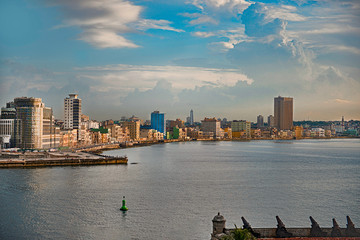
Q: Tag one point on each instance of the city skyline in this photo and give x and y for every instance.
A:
(219, 58)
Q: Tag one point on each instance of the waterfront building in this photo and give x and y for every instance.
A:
(30, 113)
(134, 129)
(255, 133)
(119, 133)
(228, 133)
(100, 135)
(51, 133)
(211, 125)
(318, 132)
(9, 126)
(68, 138)
(72, 111)
(271, 121)
(260, 121)
(145, 134)
(283, 113)
(241, 129)
(195, 133)
(177, 123)
(8, 113)
(299, 130)
(158, 121)
(9, 132)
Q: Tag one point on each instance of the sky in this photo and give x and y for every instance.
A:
(221, 58)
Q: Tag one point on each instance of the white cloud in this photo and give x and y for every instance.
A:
(104, 22)
(234, 6)
(221, 46)
(284, 12)
(199, 18)
(123, 77)
(338, 100)
(203, 34)
(105, 39)
(146, 24)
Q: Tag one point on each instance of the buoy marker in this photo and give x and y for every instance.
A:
(124, 207)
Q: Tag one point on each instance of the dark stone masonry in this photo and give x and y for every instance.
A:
(315, 232)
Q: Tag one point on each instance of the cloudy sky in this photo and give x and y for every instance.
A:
(221, 58)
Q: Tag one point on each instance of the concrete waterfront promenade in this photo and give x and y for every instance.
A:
(48, 159)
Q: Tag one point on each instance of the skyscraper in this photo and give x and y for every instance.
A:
(30, 113)
(260, 121)
(283, 113)
(191, 117)
(158, 122)
(271, 121)
(72, 110)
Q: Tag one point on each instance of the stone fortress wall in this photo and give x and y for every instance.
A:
(315, 232)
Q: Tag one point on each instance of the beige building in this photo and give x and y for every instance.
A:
(134, 129)
(299, 132)
(30, 113)
(51, 133)
(68, 138)
(283, 113)
(119, 133)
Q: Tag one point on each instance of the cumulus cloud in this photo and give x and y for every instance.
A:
(258, 25)
(103, 23)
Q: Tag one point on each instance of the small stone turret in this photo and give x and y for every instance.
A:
(218, 224)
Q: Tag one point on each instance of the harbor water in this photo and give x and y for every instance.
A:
(174, 190)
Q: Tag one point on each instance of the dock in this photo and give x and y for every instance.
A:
(23, 160)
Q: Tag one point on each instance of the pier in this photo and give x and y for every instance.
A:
(49, 159)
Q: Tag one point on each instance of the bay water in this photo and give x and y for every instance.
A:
(174, 190)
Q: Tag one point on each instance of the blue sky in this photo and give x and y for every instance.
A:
(221, 58)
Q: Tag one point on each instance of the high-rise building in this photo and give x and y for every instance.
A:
(283, 113)
(211, 125)
(260, 121)
(30, 113)
(158, 122)
(72, 110)
(271, 121)
(191, 117)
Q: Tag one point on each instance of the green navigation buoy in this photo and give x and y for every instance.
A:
(123, 207)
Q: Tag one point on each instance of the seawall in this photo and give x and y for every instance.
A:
(17, 163)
